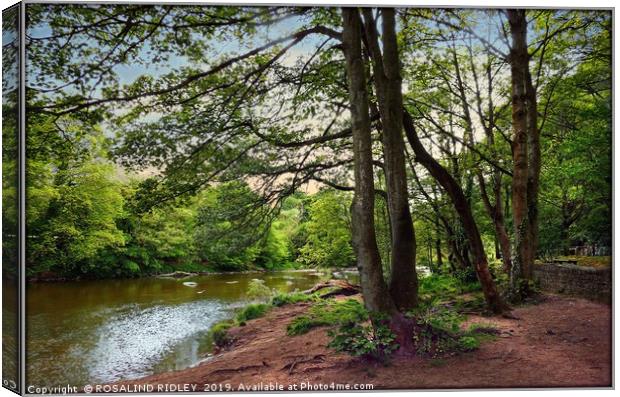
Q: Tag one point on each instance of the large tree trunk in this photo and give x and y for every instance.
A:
(443, 177)
(526, 157)
(374, 289)
(403, 284)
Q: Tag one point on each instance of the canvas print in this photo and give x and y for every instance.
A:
(212, 198)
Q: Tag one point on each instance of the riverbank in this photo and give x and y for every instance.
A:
(560, 342)
(50, 277)
(101, 331)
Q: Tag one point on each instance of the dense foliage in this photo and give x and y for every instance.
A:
(85, 220)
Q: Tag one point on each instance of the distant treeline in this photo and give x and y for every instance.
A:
(85, 222)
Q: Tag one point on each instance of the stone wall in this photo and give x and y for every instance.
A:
(566, 278)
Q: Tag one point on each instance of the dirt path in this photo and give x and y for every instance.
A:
(560, 342)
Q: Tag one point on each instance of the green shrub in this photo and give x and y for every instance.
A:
(252, 311)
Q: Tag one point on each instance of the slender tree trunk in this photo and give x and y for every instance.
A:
(438, 243)
(443, 177)
(374, 289)
(496, 213)
(429, 244)
(526, 157)
(386, 72)
(504, 243)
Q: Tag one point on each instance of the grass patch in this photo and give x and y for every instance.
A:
(438, 284)
(252, 311)
(349, 311)
(445, 286)
(281, 299)
(302, 324)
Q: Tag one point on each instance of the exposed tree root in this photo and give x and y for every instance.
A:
(342, 288)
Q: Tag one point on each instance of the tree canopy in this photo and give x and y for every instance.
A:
(161, 134)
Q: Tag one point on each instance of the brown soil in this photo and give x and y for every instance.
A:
(561, 342)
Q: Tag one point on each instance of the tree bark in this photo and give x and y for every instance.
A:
(526, 156)
(374, 289)
(403, 284)
(443, 177)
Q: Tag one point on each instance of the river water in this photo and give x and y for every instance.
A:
(102, 331)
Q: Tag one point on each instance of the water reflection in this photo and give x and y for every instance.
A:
(101, 331)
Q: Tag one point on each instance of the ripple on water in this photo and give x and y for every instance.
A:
(131, 343)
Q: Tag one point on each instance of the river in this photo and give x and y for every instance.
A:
(83, 332)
